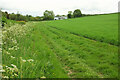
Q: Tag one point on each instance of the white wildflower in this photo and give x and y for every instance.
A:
(24, 60)
(21, 58)
(6, 66)
(15, 67)
(11, 48)
(15, 41)
(2, 70)
(4, 42)
(43, 77)
(15, 74)
(16, 48)
(0, 49)
(7, 53)
(30, 60)
(4, 32)
(1, 66)
(5, 77)
(11, 69)
(1, 43)
(12, 57)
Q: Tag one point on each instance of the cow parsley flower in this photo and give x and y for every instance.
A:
(43, 77)
(30, 60)
(12, 57)
(5, 77)
(2, 70)
(7, 53)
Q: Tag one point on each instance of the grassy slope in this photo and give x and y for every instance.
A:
(101, 28)
(57, 53)
(83, 57)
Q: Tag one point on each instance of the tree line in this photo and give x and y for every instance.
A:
(20, 17)
(76, 13)
(48, 15)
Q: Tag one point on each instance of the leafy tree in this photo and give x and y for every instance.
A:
(38, 18)
(60, 15)
(48, 15)
(57, 15)
(12, 16)
(18, 17)
(63, 15)
(69, 14)
(4, 14)
(27, 17)
(7, 15)
(77, 13)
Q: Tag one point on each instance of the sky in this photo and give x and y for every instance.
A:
(61, 7)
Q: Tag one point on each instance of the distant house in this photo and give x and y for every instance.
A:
(60, 18)
(56, 18)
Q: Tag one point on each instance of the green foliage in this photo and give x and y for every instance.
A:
(4, 20)
(58, 15)
(48, 15)
(69, 14)
(12, 16)
(8, 23)
(4, 14)
(7, 15)
(77, 13)
(19, 17)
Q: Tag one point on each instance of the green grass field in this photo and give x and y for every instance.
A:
(103, 28)
(73, 48)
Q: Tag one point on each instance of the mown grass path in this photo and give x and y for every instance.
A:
(82, 56)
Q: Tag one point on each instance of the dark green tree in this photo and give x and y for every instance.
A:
(12, 16)
(69, 14)
(77, 13)
(48, 15)
(57, 15)
(7, 15)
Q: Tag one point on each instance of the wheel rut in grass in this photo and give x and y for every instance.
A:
(49, 43)
(62, 49)
(85, 36)
(75, 52)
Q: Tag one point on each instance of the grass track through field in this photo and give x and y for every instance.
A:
(51, 43)
(59, 42)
